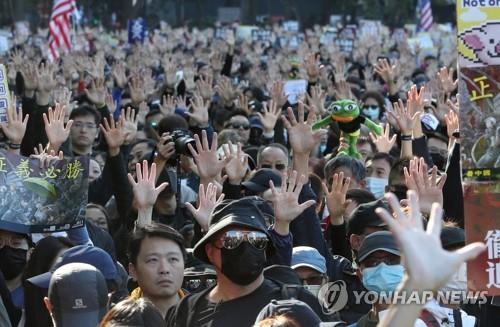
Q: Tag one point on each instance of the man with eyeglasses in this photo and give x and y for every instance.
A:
(238, 243)
(85, 130)
(241, 125)
(310, 266)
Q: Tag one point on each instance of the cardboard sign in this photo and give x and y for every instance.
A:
(294, 88)
(4, 94)
(42, 200)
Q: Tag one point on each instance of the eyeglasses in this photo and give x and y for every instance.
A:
(81, 125)
(279, 167)
(232, 239)
(313, 280)
(240, 126)
(198, 284)
(389, 260)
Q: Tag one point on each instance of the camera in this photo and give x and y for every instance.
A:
(255, 106)
(181, 139)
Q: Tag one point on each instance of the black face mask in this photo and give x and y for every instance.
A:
(244, 264)
(438, 160)
(12, 261)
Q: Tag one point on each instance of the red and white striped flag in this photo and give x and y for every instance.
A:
(424, 12)
(60, 28)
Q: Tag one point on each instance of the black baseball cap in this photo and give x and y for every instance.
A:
(242, 212)
(259, 182)
(365, 216)
(452, 236)
(378, 241)
(78, 295)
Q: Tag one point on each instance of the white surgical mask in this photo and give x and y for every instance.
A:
(376, 186)
(372, 112)
(314, 289)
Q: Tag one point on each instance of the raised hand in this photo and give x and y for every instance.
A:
(204, 87)
(343, 90)
(278, 94)
(415, 105)
(312, 67)
(428, 266)
(301, 135)
(15, 127)
(111, 104)
(137, 89)
(114, 134)
(168, 105)
(45, 77)
(286, 201)
(199, 111)
(237, 167)
(46, 159)
(97, 92)
(119, 75)
(56, 132)
(317, 99)
(428, 187)
(336, 198)
(206, 158)
(30, 76)
(145, 192)
(452, 126)
(129, 124)
(226, 90)
(385, 70)
(270, 115)
(383, 142)
(445, 78)
(207, 201)
(403, 118)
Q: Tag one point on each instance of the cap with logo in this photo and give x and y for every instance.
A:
(78, 295)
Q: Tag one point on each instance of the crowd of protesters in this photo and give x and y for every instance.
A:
(212, 201)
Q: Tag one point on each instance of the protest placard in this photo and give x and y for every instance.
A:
(479, 79)
(294, 88)
(42, 200)
(4, 94)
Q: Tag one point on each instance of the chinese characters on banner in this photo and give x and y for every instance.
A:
(34, 200)
(4, 94)
(479, 82)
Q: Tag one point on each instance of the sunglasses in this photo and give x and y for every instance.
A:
(198, 284)
(390, 261)
(279, 167)
(370, 107)
(313, 280)
(232, 239)
(238, 126)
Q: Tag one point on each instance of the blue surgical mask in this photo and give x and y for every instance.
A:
(383, 277)
(376, 186)
(372, 112)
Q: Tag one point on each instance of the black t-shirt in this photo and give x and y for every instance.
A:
(353, 125)
(197, 311)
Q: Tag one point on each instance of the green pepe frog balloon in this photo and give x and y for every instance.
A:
(347, 114)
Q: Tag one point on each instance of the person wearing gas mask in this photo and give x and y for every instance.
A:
(380, 269)
(238, 244)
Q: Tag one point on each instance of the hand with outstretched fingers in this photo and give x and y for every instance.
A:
(207, 201)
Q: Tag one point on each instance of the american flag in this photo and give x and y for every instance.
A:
(60, 28)
(424, 12)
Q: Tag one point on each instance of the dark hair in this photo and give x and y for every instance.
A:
(273, 145)
(151, 143)
(133, 312)
(377, 96)
(41, 259)
(382, 156)
(152, 230)
(357, 168)
(360, 196)
(170, 123)
(397, 170)
(236, 112)
(85, 110)
(152, 112)
(365, 140)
